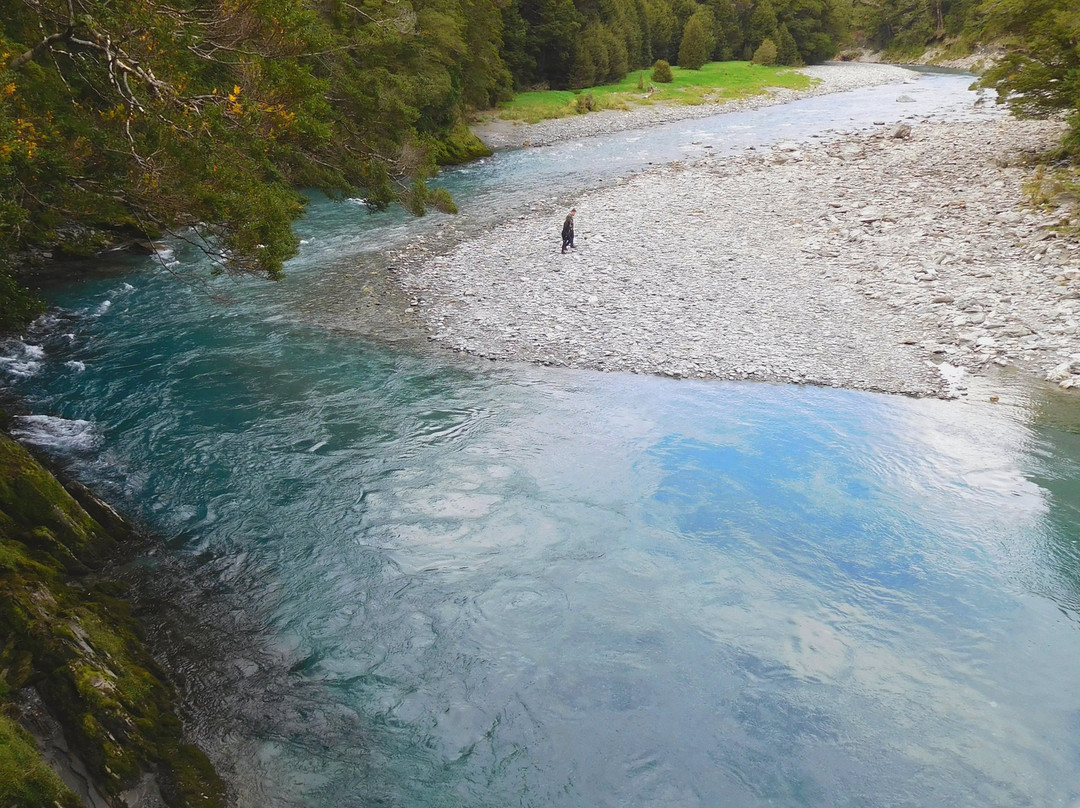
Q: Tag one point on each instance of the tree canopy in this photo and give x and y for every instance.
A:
(1041, 72)
(204, 120)
(697, 40)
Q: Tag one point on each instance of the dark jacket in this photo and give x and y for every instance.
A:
(568, 228)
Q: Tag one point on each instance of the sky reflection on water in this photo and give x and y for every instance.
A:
(461, 584)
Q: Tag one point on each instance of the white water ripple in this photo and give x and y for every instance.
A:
(21, 359)
(54, 433)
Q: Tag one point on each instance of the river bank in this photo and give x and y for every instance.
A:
(879, 261)
(87, 717)
(827, 79)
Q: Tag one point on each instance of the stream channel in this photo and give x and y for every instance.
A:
(392, 576)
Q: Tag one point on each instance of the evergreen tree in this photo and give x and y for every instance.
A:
(697, 42)
(643, 55)
(618, 56)
(815, 25)
(516, 51)
(663, 25)
(1041, 73)
(765, 53)
(133, 118)
(726, 30)
(485, 79)
(553, 26)
(762, 24)
(911, 26)
(787, 52)
(590, 58)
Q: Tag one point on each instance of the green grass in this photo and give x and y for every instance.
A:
(716, 82)
(26, 781)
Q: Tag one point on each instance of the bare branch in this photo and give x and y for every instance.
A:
(403, 23)
(47, 42)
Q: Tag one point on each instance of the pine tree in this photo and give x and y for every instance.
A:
(726, 30)
(762, 24)
(697, 41)
(765, 54)
(816, 27)
(1041, 73)
(787, 52)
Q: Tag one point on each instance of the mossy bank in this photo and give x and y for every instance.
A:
(71, 652)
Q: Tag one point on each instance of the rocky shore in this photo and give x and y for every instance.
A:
(498, 134)
(87, 718)
(880, 261)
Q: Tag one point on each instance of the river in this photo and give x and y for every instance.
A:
(390, 576)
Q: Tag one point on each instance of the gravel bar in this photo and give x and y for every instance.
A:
(879, 261)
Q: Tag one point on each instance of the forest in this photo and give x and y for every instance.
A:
(127, 119)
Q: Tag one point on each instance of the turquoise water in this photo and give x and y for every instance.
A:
(438, 582)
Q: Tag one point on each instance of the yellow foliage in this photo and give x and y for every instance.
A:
(26, 141)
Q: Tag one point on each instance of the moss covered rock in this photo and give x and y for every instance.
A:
(66, 634)
(460, 145)
(26, 781)
(37, 512)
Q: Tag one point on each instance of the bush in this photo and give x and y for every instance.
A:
(765, 54)
(585, 103)
(661, 72)
(17, 305)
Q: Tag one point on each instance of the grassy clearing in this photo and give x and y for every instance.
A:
(714, 83)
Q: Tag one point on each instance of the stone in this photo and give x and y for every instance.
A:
(1059, 373)
(850, 151)
(872, 214)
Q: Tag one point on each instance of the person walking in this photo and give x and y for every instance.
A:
(568, 231)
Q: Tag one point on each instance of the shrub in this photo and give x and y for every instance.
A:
(765, 54)
(661, 72)
(585, 103)
(17, 305)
